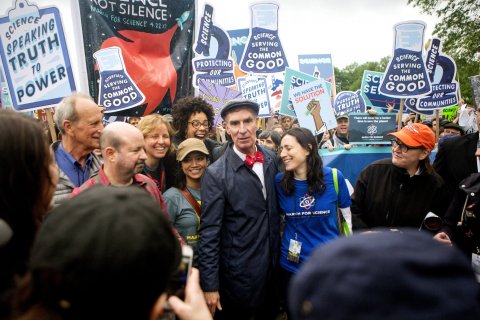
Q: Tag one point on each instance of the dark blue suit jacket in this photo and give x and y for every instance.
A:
(239, 229)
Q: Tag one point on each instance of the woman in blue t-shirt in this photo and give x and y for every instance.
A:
(308, 200)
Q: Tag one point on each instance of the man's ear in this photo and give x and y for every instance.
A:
(67, 126)
(109, 153)
(157, 309)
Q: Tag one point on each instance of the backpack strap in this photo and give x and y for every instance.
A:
(342, 223)
(192, 201)
(335, 181)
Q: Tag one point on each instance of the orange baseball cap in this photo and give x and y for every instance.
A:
(416, 135)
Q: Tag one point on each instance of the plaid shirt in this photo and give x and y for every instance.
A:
(139, 180)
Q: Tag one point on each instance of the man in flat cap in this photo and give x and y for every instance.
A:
(239, 227)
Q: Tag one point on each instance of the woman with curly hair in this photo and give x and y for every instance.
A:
(160, 164)
(193, 118)
(308, 199)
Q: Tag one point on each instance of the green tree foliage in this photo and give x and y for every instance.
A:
(350, 77)
(459, 30)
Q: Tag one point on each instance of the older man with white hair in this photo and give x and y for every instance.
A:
(79, 120)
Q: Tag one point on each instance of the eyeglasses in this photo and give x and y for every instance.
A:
(196, 124)
(402, 147)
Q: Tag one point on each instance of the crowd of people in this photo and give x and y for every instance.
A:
(91, 226)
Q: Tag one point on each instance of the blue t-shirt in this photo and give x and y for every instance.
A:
(312, 218)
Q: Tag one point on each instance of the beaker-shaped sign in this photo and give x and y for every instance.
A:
(264, 52)
(117, 90)
(406, 74)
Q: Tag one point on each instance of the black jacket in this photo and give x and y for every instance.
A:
(239, 229)
(455, 160)
(465, 232)
(386, 196)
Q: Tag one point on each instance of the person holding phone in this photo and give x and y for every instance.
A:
(118, 265)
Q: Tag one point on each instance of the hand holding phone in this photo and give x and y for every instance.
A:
(194, 307)
(184, 269)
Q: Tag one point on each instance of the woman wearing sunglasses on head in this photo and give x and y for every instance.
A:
(400, 191)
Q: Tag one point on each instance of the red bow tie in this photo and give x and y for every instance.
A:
(249, 161)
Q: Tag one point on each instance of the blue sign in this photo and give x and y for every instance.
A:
(370, 91)
(317, 65)
(348, 101)
(238, 41)
(264, 52)
(441, 69)
(411, 104)
(406, 74)
(213, 63)
(35, 56)
(367, 129)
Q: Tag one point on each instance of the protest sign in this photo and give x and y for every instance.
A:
(34, 55)
(449, 113)
(294, 79)
(217, 96)
(318, 65)
(275, 83)
(151, 55)
(406, 74)
(313, 106)
(367, 129)
(441, 70)
(212, 62)
(370, 91)
(475, 86)
(348, 101)
(264, 52)
(255, 89)
(238, 41)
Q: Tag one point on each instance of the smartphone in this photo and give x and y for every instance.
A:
(184, 269)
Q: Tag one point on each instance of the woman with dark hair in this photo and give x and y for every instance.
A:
(160, 164)
(193, 118)
(28, 178)
(400, 191)
(308, 197)
(183, 201)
